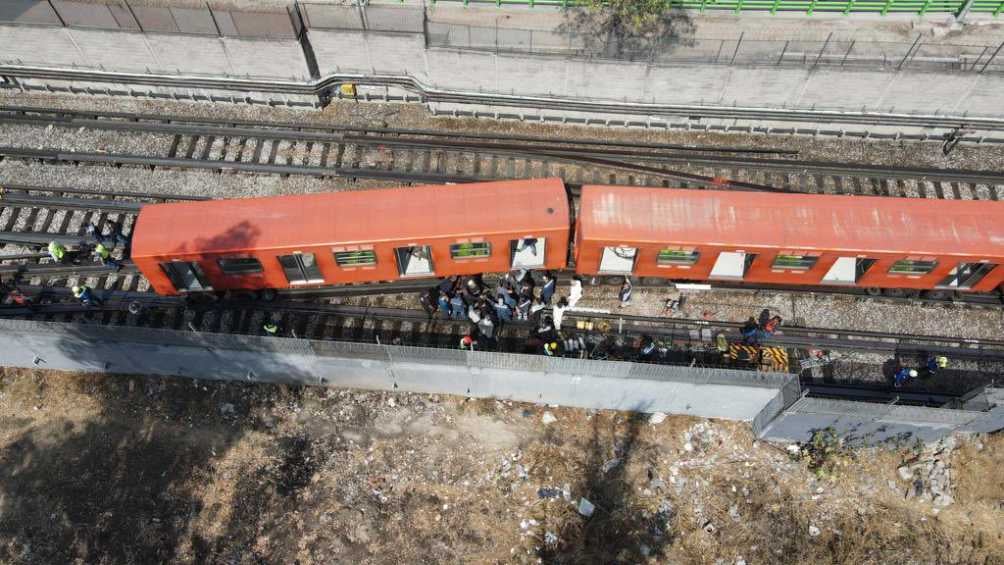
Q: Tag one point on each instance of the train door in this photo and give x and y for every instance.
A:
(186, 276)
(301, 268)
(847, 270)
(415, 260)
(732, 265)
(966, 275)
(618, 260)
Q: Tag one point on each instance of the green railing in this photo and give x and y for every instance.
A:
(810, 7)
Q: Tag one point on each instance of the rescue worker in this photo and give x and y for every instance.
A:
(428, 301)
(85, 295)
(772, 325)
(486, 327)
(935, 363)
(548, 288)
(57, 251)
(903, 375)
(574, 291)
(104, 256)
(750, 332)
(467, 342)
(458, 310)
(444, 304)
(647, 350)
(536, 307)
(503, 310)
(558, 312)
(551, 348)
(523, 308)
(625, 292)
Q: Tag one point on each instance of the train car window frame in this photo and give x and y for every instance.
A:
(520, 249)
(297, 264)
(958, 278)
(614, 254)
(909, 267)
(183, 282)
(794, 262)
(347, 259)
(251, 266)
(406, 256)
(470, 250)
(677, 257)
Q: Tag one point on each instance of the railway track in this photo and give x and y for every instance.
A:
(435, 156)
(690, 339)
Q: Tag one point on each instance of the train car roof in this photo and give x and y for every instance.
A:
(351, 217)
(912, 226)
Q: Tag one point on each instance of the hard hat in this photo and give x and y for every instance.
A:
(942, 361)
(466, 340)
(76, 289)
(913, 372)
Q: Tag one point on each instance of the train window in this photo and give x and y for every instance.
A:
(363, 258)
(185, 276)
(732, 265)
(794, 262)
(671, 256)
(301, 268)
(966, 275)
(618, 260)
(477, 250)
(239, 265)
(911, 267)
(527, 253)
(414, 260)
(847, 270)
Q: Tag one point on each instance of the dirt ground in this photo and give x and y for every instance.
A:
(117, 469)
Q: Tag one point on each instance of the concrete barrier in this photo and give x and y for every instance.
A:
(712, 393)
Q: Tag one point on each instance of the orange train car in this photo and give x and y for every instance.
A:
(801, 239)
(352, 237)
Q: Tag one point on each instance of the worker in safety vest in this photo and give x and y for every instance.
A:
(57, 251)
(104, 256)
(270, 328)
(85, 295)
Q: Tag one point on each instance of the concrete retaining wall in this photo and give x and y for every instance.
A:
(712, 393)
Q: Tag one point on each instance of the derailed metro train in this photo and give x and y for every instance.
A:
(674, 234)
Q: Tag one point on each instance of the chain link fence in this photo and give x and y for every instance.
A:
(832, 52)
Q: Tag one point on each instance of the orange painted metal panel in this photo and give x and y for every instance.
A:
(829, 226)
(382, 220)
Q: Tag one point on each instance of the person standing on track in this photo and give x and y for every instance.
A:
(85, 295)
(548, 288)
(903, 375)
(574, 291)
(625, 292)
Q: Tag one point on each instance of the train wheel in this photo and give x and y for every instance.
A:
(653, 281)
(944, 295)
(266, 295)
(894, 292)
(873, 291)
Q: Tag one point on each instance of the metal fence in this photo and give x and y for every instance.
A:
(808, 7)
(831, 52)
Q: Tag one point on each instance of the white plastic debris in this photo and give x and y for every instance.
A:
(548, 418)
(813, 531)
(657, 418)
(586, 508)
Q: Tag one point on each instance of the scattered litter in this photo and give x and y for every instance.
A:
(548, 418)
(227, 409)
(391, 402)
(813, 531)
(709, 528)
(548, 492)
(586, 508)
(609, 465)
(526, 524)
(657, 418)
(550, 538)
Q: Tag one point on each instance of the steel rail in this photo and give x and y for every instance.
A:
(175, 124)
(179, 162)
(324, 87)
(103, 193)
